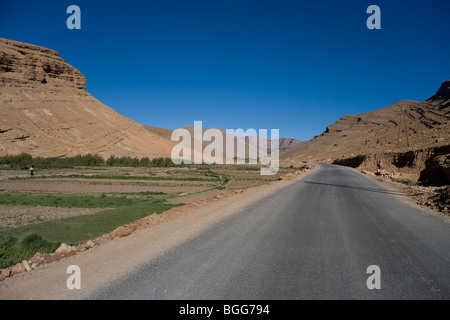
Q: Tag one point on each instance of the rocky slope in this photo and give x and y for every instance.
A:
(45, 110)
(410, 137)
(287, 144)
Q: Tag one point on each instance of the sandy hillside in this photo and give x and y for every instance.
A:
(45, 110)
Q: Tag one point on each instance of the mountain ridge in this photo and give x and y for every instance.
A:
(45, 111)
(403, 126)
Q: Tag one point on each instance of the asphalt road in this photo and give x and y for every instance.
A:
(314, 239)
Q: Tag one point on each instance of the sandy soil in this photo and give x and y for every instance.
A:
(244, 184)
(187, 198)
(15, 216)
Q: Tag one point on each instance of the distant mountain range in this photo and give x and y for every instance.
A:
(284, 144)
(46, 111)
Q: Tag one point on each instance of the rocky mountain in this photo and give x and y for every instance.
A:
(285, 144)
(404, 126)
(45, 110)
(410, 137)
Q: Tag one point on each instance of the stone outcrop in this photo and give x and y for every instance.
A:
(429, 166)
(443, 93)
(46, 111)
(437, 168)
(26, 65)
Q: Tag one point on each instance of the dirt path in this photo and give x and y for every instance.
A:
(104, 186)
(113, 259)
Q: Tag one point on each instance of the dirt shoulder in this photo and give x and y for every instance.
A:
(115, 255)
(430, 199)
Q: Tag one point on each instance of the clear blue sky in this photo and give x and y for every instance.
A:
(296, 66)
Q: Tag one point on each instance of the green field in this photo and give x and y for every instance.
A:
(48, 235)
(115, 208)
(72, 201)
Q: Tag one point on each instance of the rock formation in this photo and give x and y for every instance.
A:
(408, 136)
(404, 126)
(443, 95)
(45, 111)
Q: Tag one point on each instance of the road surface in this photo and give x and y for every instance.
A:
(314, 239)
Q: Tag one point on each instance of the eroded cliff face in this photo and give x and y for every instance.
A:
(46, 111)
(429, 166)
(26, 65)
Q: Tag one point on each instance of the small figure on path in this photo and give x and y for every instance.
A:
(31, 170)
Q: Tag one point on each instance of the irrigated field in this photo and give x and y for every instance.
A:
(74, 205)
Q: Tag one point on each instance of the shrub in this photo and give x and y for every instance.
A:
(24, 160)
(13, 250)
(34, 242)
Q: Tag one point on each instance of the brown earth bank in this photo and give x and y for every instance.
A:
(430, 166)
(423, 174)
(436, 198)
